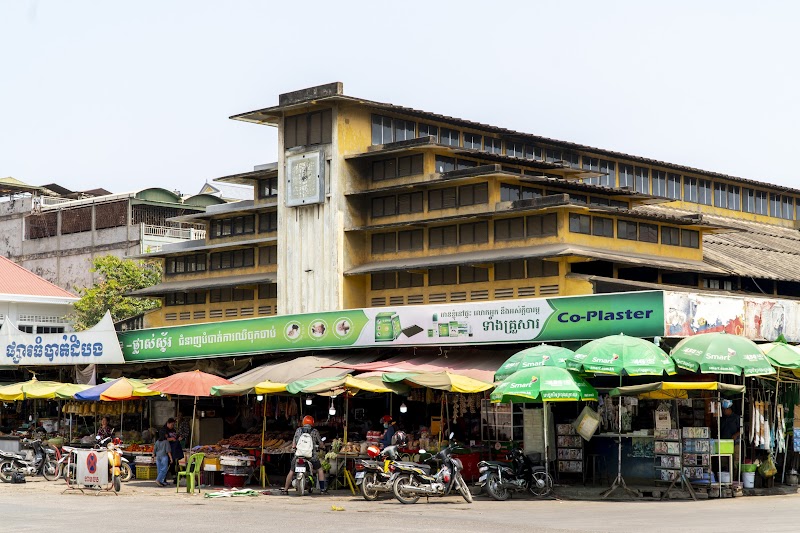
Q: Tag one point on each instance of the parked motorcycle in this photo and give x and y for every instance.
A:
(523, 473)
(125, 469)
(43, 462)
(374, 475)
(304, 476)
(415, 480)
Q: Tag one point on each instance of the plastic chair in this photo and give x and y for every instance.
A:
(191, 473)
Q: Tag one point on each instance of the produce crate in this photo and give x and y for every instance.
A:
(146, 472)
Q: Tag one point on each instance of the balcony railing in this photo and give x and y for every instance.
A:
(189, 234)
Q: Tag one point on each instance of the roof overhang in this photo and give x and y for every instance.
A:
(171, 287)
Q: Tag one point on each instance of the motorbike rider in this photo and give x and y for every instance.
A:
(307, 427)
(388, 433)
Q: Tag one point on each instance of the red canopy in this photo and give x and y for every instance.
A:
(473, 364)
(194, 383)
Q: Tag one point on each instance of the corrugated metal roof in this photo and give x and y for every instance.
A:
(15, 279)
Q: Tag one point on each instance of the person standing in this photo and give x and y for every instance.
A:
(388, 433)
(170, 434)
(163, 454)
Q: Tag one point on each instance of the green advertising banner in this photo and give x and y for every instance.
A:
(638, 314)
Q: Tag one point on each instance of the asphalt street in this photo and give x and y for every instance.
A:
(141, 507)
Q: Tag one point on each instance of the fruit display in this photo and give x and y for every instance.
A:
(146, 448)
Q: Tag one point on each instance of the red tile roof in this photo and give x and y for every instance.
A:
(15, 279)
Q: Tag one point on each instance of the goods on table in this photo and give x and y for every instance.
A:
(103, 408)
(148, 448)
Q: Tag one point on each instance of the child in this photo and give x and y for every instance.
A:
(163, 454)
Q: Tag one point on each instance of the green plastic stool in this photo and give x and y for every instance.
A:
(191, 473)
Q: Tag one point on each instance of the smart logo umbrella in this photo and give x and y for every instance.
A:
(542, 355)
(721, 353)
(620, 355)
(543, 384)
(782, 355)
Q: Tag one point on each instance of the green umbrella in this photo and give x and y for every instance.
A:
(543, 384)
(542, 355)
(781, 354)
(721, 353)
(621, 355)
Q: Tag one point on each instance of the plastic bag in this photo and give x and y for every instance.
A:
(767, 467)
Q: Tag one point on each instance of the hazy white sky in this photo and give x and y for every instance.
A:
(125, 95)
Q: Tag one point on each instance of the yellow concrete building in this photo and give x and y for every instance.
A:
(380, 204)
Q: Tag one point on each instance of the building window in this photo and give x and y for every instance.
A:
(404, 130)
(514, 150)
(450, 137)
(184, 264)
(411, 202)
(441, 198)
(609, 171)
(445, 164)
(384, 243)
(674, 186)
(603, 227)
(571, 160)
(659, 183)
(60, 329)
(670, 236)
(506, 229)
(780, 206)
(538, 268)
(243, 295)
(761, 202)
(309, 128)
(641, 177)
(410, 279)
(185, 298)
(267, 291)
(410, 240)
(626, 176)
(509, 270)
(462, 164)
(690, 238)
(233, 259)
(689, 189)
(542, 225)
(397, 168)
(384, 206)
(427, 130)
(443, 236)
(443, 276)
(734, 198)
(473, 194)
(492, 145)
(268, 188)
(533, 152)
(382, 130)
(627, 230)
(474, 233)
(268, 222)
(727, 196)
(648, 232)
(704, 195)
(552, 155)
(268, 255)
(512, 193)
(220, 295)
(591, 164)
(233, 226)
(580, 223)
(469, 274)
(383, 280)
(473, 141)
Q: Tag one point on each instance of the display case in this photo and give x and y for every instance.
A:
(667, 453)
(696, 452)
(569, 449)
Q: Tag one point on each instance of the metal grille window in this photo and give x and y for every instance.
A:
(641, 177)
(110, 215)
(509, 270)
(538, 268)
(473, 141)
(492, 145)
(384, 243)
(427, 130)
(442, 198)
(268, 188)
(690, 238)
(41, 226)
(384, 206)
(674, 186)
(308, 129)
(626, 176)
(409, 203)
(648, 232)
(410, 279)
(473, 194)
(506, 229)
(268, 255)
(659, 183)
(533, 152)
(542, 225)
(445, 164)
(514, 150)
(450, 137)
(383, 280)
(603, 227)
(670, 236)
(627, 230)
(580, 223)
(410, 240)
(474, 233)
(267, 291)
(268, 222)
(470, 274)
(76, 220)
(442, 236)
(443, 276)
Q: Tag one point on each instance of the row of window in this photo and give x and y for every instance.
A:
(268, 188)
(307, 129)
(452, 275)
(640, 178)
(243, 225)
(465, 234)
(266, 291)
(267, 255)
(397, 167)
(633, 231)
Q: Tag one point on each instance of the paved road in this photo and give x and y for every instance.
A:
(40, 506)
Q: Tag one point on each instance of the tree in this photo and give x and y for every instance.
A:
(118, 277)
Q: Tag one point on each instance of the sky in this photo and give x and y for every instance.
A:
(128, 95)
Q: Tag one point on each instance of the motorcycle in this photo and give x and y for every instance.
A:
(125, 470)
(304, 478)
(43, 462)
(523, 473)
(374, 476)
(414, 480)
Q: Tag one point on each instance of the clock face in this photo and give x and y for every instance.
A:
(304, 179)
